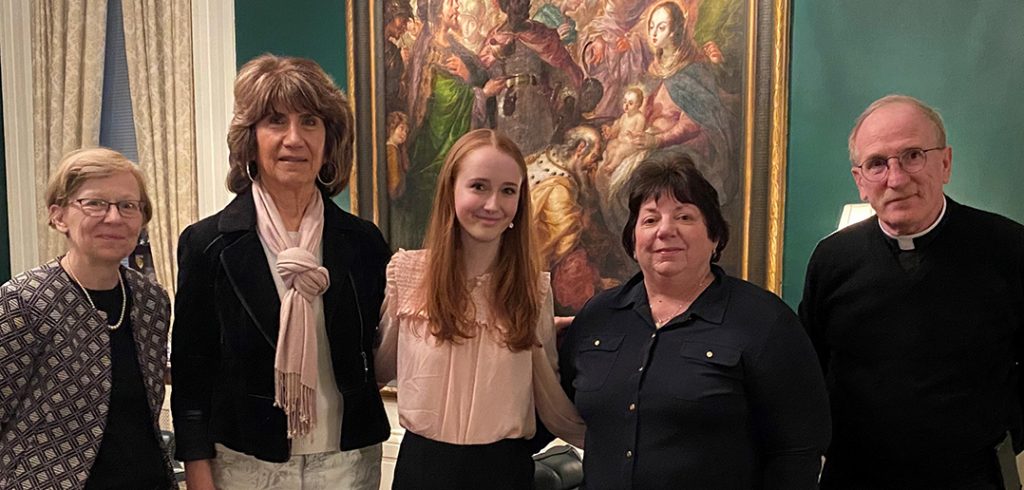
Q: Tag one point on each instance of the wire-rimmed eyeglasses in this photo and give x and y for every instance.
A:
(875, 169)
(99, 207)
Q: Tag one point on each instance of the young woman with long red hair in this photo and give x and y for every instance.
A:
(467, 329)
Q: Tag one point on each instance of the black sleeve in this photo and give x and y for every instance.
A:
(789, 406)
(1018, 430)
(382, 251)
(809, 311)
(567, 355)
(195, 351)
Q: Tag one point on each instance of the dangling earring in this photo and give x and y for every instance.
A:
(321, 180)
(248, 173)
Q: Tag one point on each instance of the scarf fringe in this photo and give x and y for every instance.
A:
(298, 402)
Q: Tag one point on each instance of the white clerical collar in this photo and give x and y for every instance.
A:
(906, 242)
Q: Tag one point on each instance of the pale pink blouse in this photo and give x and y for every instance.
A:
(476, 391)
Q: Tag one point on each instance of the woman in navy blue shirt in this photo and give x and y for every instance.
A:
(687, 377)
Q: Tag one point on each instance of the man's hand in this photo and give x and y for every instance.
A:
(564, 30)
(457, 67)
(493, 86)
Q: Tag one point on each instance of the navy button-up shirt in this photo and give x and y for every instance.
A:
(726, 395)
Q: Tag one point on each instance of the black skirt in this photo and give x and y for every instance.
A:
(427, 464)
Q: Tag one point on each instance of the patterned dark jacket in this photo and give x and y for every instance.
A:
(55, 374)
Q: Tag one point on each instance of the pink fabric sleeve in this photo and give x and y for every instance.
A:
(385, 355)
(682, 131)
(660, 106)
(555, 409)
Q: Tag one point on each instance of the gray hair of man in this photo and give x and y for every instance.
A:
(926, 110)
(584, 139)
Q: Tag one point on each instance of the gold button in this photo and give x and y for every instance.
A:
(709, 354)
(632, 407)
(629, 454)
(597, 342)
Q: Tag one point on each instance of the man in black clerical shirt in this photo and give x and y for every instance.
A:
(917, 316)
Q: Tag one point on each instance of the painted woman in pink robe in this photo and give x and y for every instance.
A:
(613, 52)
(684, 112)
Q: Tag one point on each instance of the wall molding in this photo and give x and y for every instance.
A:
(213, 68)
(22, 203)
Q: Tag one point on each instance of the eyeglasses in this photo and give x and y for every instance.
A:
(97, 208)
(875, 169)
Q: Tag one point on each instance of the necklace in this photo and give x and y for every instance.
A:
(682, 305)
(124, 297)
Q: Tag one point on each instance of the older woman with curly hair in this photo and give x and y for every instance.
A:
(278, 301)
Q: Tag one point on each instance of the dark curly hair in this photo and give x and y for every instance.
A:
(674, 174)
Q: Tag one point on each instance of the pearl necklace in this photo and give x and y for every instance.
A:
(124, 297)
(666, 319)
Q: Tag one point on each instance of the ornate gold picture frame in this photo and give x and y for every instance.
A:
(747, 40)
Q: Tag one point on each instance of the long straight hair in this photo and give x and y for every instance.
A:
(515, 300)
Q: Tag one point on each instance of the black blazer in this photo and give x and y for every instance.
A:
(225, 333)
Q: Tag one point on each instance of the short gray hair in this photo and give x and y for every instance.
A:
(923, 108)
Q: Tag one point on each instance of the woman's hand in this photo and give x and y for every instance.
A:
(713, 53)
(199, 475)
(595, 52)
(622, 44)
(563, 322)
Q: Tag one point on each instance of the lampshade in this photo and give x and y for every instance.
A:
(853, 213)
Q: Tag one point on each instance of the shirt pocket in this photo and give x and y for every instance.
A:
(594, 360)
(709, 370)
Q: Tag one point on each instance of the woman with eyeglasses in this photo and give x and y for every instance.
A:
(83, 342)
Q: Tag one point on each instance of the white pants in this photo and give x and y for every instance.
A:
(357, 469)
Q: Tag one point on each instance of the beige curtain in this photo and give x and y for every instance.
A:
(158, 45)
(68, 39)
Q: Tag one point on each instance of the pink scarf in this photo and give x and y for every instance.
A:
(295, 365)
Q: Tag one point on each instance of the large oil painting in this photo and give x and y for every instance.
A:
(588, 89)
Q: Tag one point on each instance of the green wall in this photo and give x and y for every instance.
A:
(964, 58)
(312, 29)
